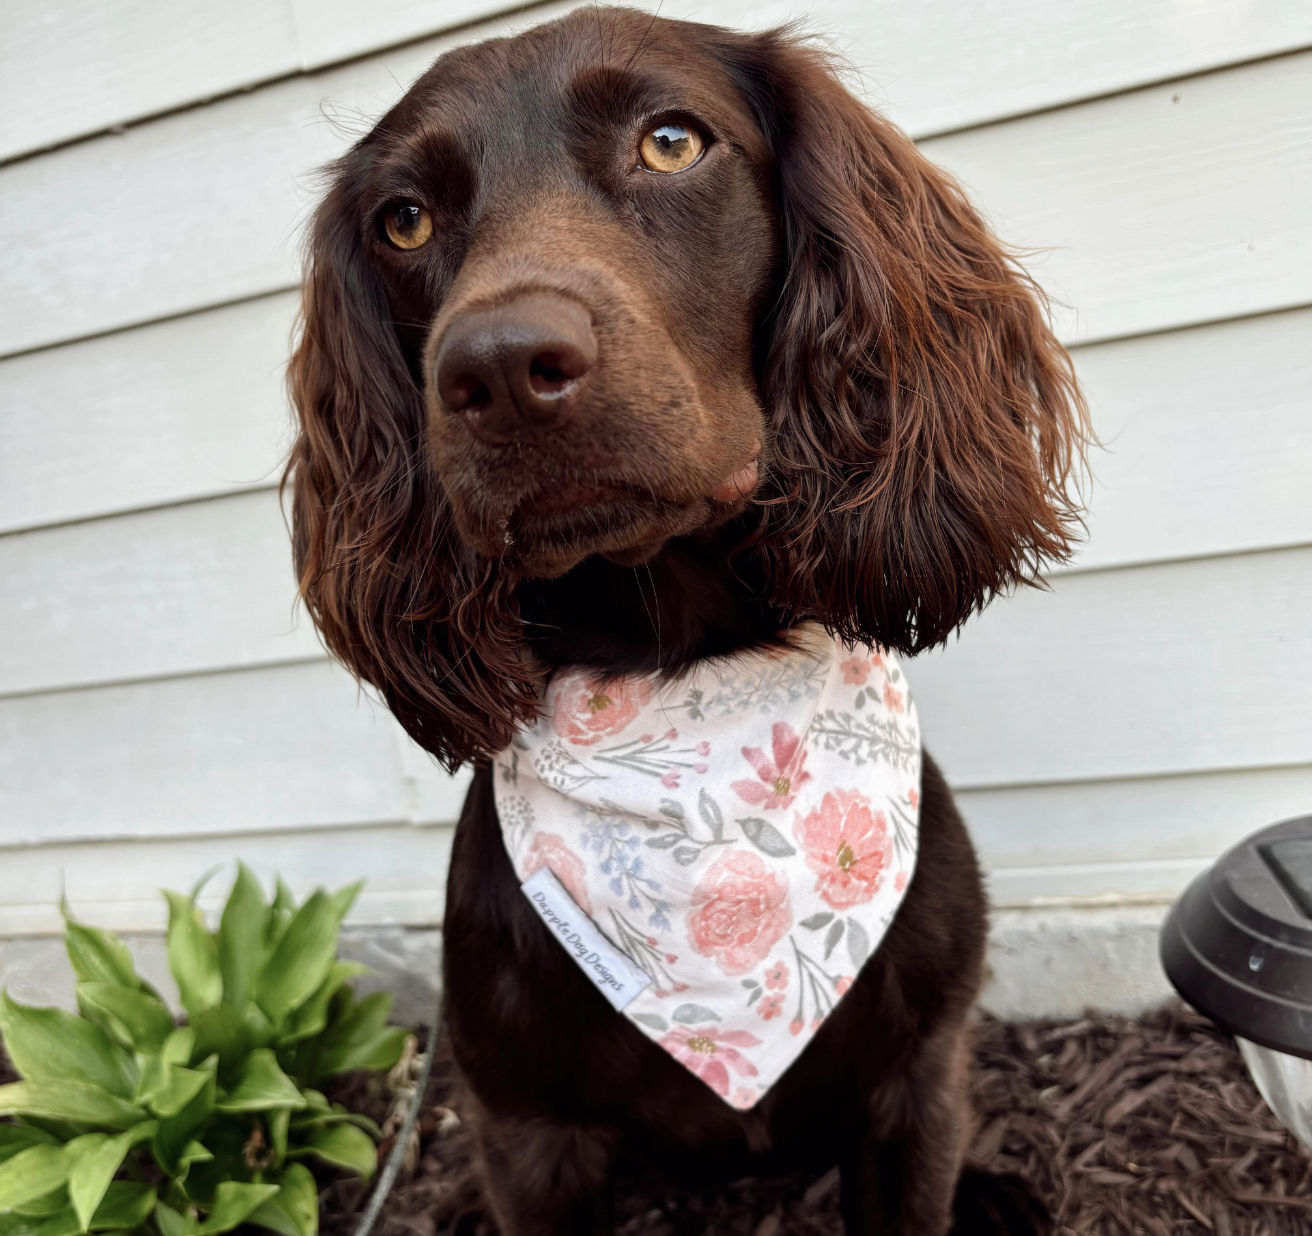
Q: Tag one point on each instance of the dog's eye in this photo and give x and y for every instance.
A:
(407, 224)
(670, 148)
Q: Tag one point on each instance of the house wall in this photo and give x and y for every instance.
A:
(165, 707)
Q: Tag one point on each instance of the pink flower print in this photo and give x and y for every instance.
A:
(816, 1023)
(901, 881)
(855, 671)
(842, 983)
(892, 699)
(589, 709)
(711, 1053)
(780, 778)
(848, 847)
(671, 735)
(670, 780)
(699, 768)
(740, 911)
(771, 1006)
(776, 977)
(703, 748)
(742, 1098)
(795, 1026)
(913, 797)
(549, 850)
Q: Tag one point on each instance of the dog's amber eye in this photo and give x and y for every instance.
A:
(670, 148)
(407, 224)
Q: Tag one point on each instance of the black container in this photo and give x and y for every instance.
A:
(1238, 944)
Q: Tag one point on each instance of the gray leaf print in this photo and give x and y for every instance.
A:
(766, 838)
(832, 937)
(858, 944)
(816, 921)
(689, 1014)
(654, 1020)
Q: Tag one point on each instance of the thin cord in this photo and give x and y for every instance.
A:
(394, 1160)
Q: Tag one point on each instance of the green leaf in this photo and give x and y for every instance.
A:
(360, 1038)
(138, 1019)
(280, 912)
(171, 1223)
(311, 1018)
(295, 1209)
(344, 898)
(301, 960)
(279, 1124)
(233, 1203)
(77, 1102)
(54, 1045)
(179, 1086)
(173, 1139)
(64, 1222)
(342, 1145)
(16, 1137)
(30, 1174)
(262, 1086)
(94, 1159)
(17, 1225)
(98, 956)
(222, 1030)
(242, 933)
(127, 1204)
(193, 956)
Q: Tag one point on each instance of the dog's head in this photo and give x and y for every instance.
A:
(620, 280)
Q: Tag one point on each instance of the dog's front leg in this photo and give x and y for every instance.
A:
(541, 1177)
(900, 1178)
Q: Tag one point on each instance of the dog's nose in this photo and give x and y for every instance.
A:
(516, 367)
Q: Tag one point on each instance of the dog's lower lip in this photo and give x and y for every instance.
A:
(739, 483)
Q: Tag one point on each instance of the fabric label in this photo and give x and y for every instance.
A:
(611, 971)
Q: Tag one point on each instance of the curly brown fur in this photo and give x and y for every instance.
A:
(798, 380)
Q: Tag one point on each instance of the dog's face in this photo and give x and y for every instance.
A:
(620, 280)
(579, 223)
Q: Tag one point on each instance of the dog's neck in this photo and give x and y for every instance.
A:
(691, 601)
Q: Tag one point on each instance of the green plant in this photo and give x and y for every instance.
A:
(128, 1122)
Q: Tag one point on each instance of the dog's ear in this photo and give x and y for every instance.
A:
(925, 422)
(394, 592)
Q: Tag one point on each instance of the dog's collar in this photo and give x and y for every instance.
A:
(723, 853)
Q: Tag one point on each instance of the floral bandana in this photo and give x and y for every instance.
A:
(743, 836)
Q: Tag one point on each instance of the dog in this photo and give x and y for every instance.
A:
(629, 346)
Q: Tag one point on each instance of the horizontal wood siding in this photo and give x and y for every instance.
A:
(72, 67)
(165, 706)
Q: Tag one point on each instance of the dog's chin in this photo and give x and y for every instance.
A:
(545, 538)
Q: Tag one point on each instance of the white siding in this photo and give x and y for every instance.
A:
(163, 705)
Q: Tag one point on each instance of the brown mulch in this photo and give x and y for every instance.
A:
(1125, 1127)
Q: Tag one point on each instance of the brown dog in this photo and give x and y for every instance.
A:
(630, 342)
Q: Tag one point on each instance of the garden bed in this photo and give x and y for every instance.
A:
(1124, 1127)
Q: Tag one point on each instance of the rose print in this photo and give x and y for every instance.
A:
(740, 911)
(710, 1053)
(855, 671)
(777, 975)
(780, 778)
(588, 710)
(771, 1006)
(549, 850)
(847, 845)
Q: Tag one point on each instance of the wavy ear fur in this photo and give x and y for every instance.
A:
(395, 593)
(925, 420)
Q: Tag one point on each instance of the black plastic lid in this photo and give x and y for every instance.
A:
(1238, 944)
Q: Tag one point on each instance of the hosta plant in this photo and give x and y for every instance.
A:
(125, 1121)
